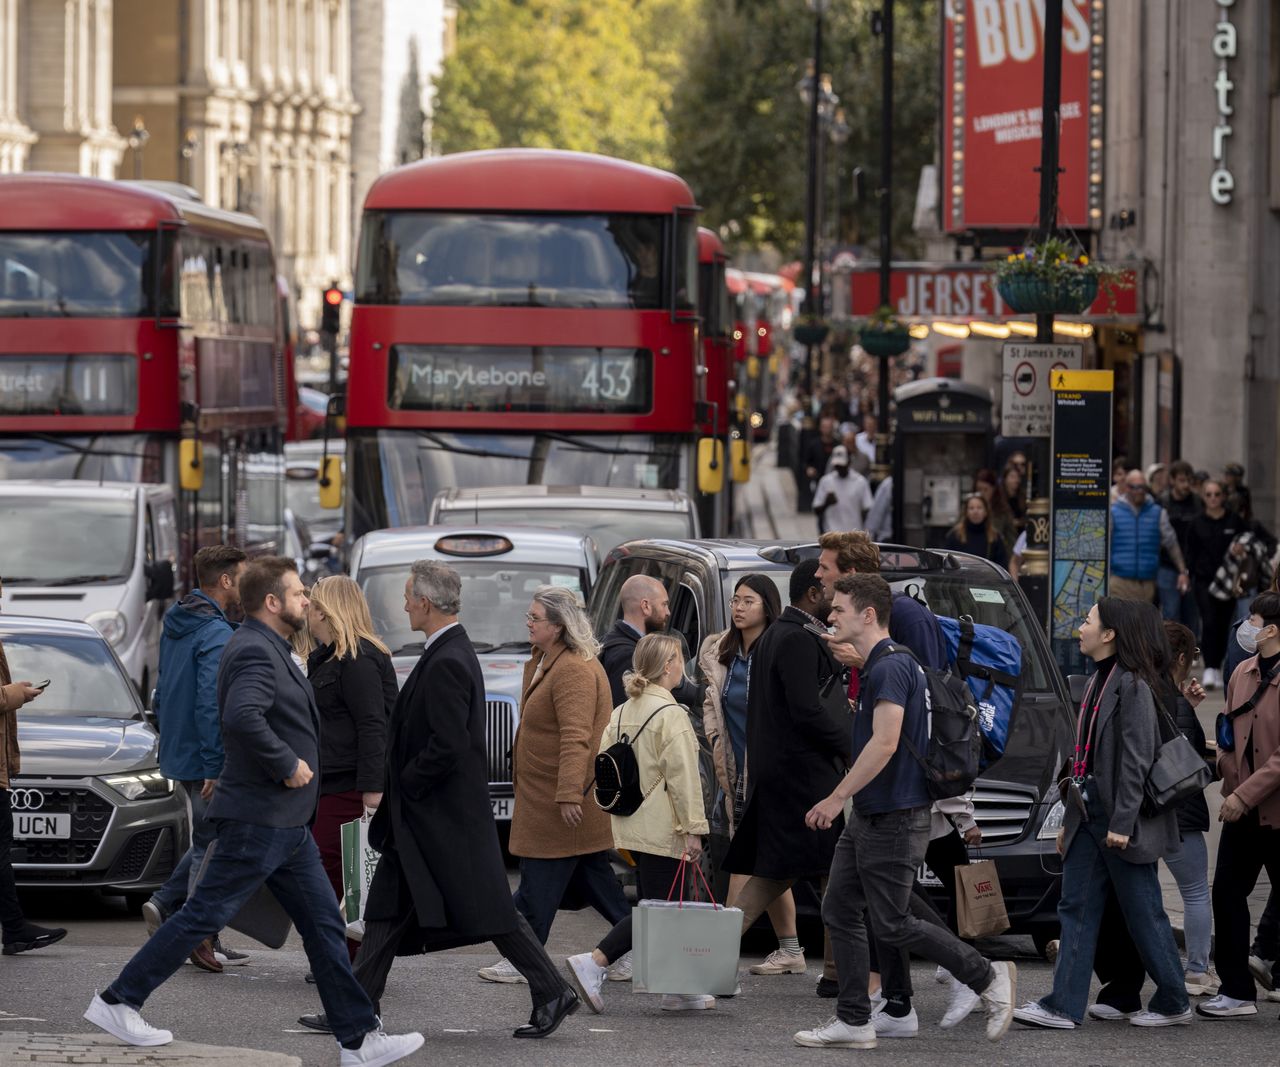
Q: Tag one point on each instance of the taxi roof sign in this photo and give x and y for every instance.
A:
(1083, 381)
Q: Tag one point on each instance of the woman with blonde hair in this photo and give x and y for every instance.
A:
(565, 707)
(670, 822)
(355, 686)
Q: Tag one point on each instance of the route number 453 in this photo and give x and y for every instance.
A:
(612, 380)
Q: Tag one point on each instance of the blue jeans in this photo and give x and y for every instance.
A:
(1190, 869)
(1180, 607)
(288, 863)
(182, 882)
(1089, 870)
(587, 879)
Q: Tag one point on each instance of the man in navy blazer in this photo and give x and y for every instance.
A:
(262, 805)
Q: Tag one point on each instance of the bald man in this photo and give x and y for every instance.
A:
(645, 610)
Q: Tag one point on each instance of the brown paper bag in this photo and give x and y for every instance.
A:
(980, 910)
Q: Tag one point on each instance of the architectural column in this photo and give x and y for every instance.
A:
(16, 137)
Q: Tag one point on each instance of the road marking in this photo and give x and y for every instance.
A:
(593, 1030)
(459, 1031)
(308, 1030)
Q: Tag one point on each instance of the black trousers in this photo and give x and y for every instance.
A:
(1266, 942)
(382, 938)
(1215, 625)
(11, 917)
(1246, 847)
(654, 875)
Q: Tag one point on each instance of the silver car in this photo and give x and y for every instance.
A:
(500, 568)
(90, 806)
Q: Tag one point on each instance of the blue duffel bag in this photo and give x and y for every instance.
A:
(990, 661)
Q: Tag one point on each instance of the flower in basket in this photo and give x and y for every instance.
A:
(884, 334)
(1055, 276)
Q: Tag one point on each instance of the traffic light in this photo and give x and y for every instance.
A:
(331, 310)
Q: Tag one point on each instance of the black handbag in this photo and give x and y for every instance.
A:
(1179, 771)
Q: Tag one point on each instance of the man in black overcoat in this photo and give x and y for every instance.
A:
(441, 881)
(799, 734)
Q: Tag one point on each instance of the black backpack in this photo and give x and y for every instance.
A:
(955, 751)
(617, 781)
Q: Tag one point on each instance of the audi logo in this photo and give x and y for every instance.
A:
(26, 799)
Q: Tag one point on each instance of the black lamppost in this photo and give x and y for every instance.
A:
(813, 100)
(137, 141)
(883, 24)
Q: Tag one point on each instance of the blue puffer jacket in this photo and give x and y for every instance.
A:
(1135, 541)
(195, 632)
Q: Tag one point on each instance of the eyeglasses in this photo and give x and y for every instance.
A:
(1135, 488)
(743, 601)
(1211, 493)
(530, 618)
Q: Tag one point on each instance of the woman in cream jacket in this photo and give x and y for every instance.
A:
(670, 823)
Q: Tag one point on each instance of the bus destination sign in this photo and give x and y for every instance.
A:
(543, 379)
(45, 384)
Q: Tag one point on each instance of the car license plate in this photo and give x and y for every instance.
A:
(501, 808)
(34, 824)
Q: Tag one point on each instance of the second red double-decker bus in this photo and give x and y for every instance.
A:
(521, 316)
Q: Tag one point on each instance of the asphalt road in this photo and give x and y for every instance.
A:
(467, 1021)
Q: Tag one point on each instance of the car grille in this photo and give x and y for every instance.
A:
(133, 858)
(90, 815)
(499, 737)
(1002, 811)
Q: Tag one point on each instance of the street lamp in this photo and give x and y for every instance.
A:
(137, 141)
(882, 24)
(813, 101)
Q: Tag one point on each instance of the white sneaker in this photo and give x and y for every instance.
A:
(687, 1001)
(588, 978)
(877, 1001)
(1034, 1013)
(960, 1002)
(998, 999)
(620, 969)
(886, 1025)
(1107, 1014)
(502, 971)
(1201, 984)
(123, 1022)
(780, 961)
(1212, 679)
(836, 1034)
(380, 1048)
(1225, 1007)
(1154, 1018)
(1261, 971)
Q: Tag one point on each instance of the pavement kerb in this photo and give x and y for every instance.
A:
(34, 1048)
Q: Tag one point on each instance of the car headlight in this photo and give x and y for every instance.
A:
(140, 785)
(111, 624)
(1052, 822)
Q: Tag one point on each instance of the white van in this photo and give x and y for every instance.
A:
(103, 553)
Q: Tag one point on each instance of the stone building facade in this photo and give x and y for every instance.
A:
(55, 87)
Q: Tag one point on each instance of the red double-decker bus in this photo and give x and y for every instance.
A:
(521, 316)
(137, 318)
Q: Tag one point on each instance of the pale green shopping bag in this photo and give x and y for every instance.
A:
(359, 862)
(683, 946)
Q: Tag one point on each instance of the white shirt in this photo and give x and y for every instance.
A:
(866, 444)
(880, 517)
(853, 500)
(437, 635)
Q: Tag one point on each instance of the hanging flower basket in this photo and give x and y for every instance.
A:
(1054, 277)
(810, 333)
(1030, 294)
(884, 342)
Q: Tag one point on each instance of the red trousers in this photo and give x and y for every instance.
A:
(333, 810)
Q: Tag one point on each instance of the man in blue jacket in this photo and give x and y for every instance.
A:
(1139, 529)
(265, 800)
(195, 631)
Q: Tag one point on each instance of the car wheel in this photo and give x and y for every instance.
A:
(1042, 935)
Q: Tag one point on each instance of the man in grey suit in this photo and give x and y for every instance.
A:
(262, 805)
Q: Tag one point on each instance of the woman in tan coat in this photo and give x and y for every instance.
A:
(670, 823)
(559, 839)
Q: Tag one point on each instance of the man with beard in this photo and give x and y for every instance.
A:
(645, 610)
(843, 496)
(265, 798)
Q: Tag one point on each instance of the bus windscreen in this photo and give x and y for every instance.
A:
(76, 275)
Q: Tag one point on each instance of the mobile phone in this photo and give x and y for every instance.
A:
(42, 686)
(821, 631)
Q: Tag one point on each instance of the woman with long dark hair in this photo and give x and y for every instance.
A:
(725, 659)
(975, 533)
(987, 484)
(1107, 843)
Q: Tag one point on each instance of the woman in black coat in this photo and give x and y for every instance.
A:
(355, 686)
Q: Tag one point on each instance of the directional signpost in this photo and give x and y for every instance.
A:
(1081, 504)
(1026, 407)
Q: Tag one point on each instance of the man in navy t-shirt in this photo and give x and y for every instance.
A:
(882, 846)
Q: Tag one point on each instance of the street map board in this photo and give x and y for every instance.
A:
(1026, 404)
(1081, 504)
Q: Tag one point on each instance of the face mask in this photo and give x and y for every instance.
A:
(1247, 636)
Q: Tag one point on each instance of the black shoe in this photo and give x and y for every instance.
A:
(310, 979)
(828, 988)
(32, 937)
(546, 1017)
(319, 1021)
